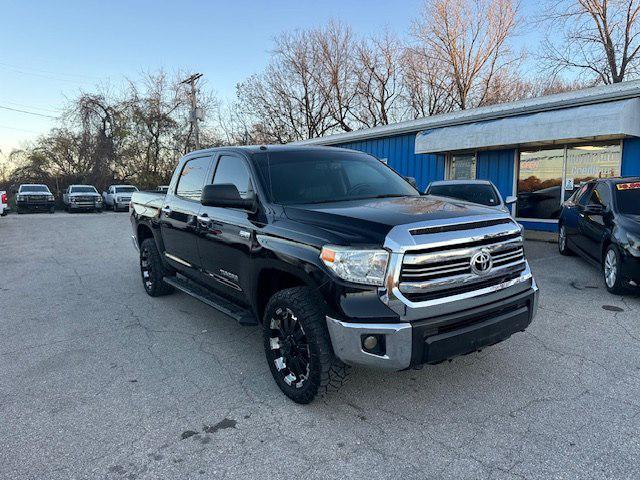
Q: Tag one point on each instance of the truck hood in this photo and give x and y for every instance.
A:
(371, 219)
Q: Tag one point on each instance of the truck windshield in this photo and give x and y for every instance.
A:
(628, 199)
(34, 188)
(320, 177)
(475, 193)
(126, 189)
(83, 190)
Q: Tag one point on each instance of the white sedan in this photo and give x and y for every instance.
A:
(475, 191)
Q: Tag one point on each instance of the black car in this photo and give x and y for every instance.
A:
(601, 222)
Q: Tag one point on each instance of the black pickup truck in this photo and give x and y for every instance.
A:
(338, 258)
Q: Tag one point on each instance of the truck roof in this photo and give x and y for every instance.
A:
(268, 148)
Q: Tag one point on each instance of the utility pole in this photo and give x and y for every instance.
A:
(196, 115)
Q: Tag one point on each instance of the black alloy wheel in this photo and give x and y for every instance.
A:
(298, 346)
(289, 347)
(153, 270)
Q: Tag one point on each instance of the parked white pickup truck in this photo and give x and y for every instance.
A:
(4, 207)
(117, 197)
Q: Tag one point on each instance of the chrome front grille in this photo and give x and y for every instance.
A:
(428, 272)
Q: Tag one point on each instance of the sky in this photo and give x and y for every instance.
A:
(50, 50)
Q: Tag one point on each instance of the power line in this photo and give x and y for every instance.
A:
(19, 129)
(32, 107)
(27, 112)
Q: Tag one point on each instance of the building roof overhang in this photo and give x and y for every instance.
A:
(588, 96)
(602, 121)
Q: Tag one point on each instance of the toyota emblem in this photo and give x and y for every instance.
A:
(481, 262)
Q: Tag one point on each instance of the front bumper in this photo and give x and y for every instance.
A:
(631, 267)
(435, 339)
(35, 205)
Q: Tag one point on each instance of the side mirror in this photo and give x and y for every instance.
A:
(412, 181)
(510, 200)
(593, 209)
(226, 196)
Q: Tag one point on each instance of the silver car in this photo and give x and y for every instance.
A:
(482, 192)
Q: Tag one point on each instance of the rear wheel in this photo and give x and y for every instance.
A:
(298, 347)
(563, 248)
(612, 271)
(153, 270)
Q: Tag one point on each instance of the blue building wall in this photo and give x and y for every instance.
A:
(497, 166)
(400, 153)
(630, 157)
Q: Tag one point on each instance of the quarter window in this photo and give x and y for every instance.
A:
(234, 171)
(192, 178)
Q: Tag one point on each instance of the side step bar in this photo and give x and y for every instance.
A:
(242, 315)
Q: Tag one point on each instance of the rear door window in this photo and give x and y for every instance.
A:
(192, 178)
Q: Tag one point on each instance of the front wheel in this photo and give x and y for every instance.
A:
(298, 347)
(153, 270)
(115, 207)
(52, 210)
(612, 271)
(563, 248)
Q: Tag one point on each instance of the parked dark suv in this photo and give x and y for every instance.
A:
(601, 222)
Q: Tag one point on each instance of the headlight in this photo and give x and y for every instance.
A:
(21, 198)
(50, 197)
(72, 199)
(365, 266)
(634, 244)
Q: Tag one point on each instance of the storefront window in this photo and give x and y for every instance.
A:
(463, 167)
(545, 176)
(587, 162)
(539, 183)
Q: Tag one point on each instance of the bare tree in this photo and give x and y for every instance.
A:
(427, 88)
(595, 37)
(335, 47)
(379, 86)
(470, 39)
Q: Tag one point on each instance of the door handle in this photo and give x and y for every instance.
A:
(204, 220)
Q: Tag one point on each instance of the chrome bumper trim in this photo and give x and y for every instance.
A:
(135, 243)
(346, 339)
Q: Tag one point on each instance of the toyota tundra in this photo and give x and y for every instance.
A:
(339, 259)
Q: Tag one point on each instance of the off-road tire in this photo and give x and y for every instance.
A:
(151, 263)
(619, 286)
(52, 210)
(327, 373)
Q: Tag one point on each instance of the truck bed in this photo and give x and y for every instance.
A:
(147, 203)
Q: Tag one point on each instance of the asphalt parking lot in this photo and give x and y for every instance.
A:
(98, 380)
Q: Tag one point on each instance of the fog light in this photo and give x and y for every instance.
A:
(370, 342)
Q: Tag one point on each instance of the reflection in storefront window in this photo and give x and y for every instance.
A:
(539, 183)
(588, 162)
